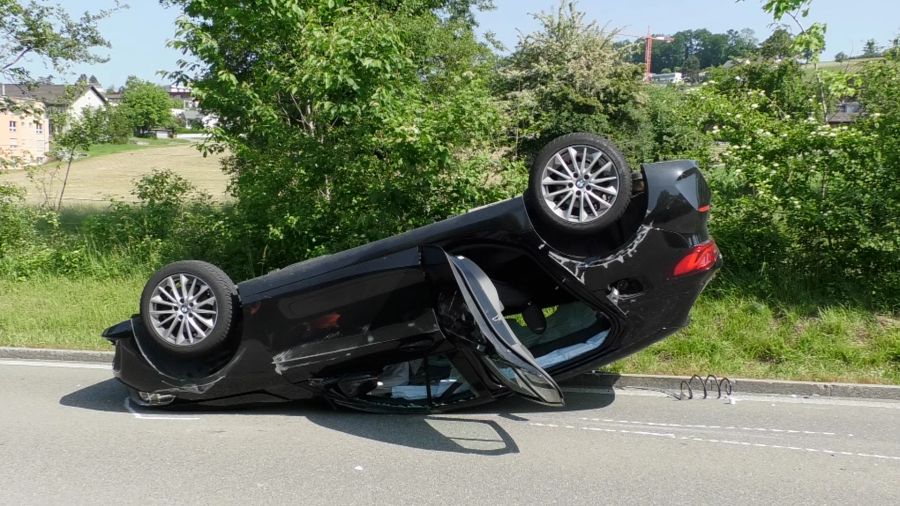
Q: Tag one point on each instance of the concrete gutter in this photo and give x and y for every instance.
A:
(671, 384)
(61, 355)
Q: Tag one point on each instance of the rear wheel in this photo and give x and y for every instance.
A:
(188, 307)
(580, 183)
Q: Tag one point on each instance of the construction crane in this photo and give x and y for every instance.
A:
(648, 48)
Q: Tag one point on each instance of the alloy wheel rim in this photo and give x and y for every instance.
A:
(183, 309)
(579, 184)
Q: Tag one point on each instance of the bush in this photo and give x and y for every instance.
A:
(172, 220)
(797, 198)
(569, 77)
(16, 222)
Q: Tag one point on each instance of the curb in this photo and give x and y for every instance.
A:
(591, 380)
(60, 355)
(741, 386)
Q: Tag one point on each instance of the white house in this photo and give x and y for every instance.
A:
(73, 100)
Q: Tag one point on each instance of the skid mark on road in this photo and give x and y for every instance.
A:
(717, 427)
(668, 435)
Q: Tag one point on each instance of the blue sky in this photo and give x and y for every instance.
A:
(139, 34)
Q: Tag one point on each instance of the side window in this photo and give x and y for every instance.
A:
(560, 333)
(12, 126)
(414, 382)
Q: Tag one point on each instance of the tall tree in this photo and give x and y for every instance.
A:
(376, 106)
(871, 49)
(75, 135)
(742, 43)
(147, 105)
(692, 68)
(49, 34)
(778, 46)
(568, 76)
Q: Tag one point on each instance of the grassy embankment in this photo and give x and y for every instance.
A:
(731, 334)
(737, 330)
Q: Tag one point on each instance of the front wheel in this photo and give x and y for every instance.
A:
(579, 183)
(188, 307)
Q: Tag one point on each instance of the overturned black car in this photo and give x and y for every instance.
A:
(592, 264)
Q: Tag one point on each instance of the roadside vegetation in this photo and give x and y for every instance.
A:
(413, 119)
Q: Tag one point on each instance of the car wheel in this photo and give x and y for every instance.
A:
(188, 307)
(580, 183)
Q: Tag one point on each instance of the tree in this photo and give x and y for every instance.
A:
(147, 105)
(741, 44)
(381, 108)
(779, 45)
(712, 49)
(566, 77)
(809, 43)
(691, 69)
(871, 49)
(46, 34)
(75, 135)
(841, 56)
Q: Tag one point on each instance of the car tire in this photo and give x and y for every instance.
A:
(188, 308)
(579, 183)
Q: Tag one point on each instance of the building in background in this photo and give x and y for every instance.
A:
(69, 99)
(24, 136)
(182, 95)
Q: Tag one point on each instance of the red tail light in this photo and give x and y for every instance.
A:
(701, 258)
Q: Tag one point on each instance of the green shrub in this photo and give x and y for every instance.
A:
(797, 198)
(15, 220)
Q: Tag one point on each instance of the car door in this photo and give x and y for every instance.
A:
(509, 361)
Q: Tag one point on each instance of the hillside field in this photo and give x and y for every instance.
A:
(99, 178)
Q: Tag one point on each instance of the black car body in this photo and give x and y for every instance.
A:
(453, 314)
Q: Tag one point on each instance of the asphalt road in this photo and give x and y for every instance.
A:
(68, 436)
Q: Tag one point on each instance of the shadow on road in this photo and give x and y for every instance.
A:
(443, 433)
(473, 431)
(107, 395)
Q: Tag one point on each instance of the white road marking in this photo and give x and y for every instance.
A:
(58, 364)
(723, 441)
(141, 416)
(617, 391)
(718, 427)
(601, 429)
(770, 398)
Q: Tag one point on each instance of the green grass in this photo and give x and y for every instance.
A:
(745, 336)
(132, 144)
(54, 312)
(734, 332)
(852, 66)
